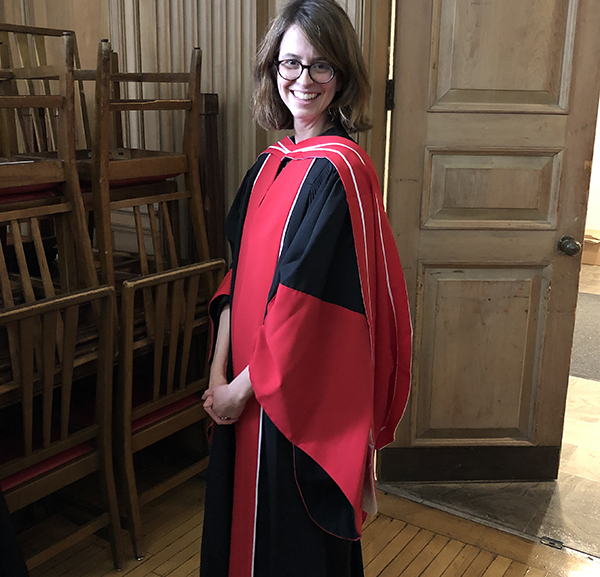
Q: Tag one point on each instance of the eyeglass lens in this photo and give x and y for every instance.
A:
(292, 69)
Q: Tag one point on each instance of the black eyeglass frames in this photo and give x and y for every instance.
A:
(292, 69)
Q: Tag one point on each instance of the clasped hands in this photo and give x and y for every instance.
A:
(224, 401)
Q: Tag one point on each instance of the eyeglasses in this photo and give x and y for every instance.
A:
(320, 72)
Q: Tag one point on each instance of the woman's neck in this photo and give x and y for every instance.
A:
(304, 132)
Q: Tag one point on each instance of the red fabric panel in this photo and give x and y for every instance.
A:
(259, 252)
(317, 390)
(382, 280)
(247, 442)
(224, 287)
(166, 411)
(44, 467)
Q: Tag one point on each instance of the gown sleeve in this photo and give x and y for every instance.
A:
(311, 368)
(233, 229)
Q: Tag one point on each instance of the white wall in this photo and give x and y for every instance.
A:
(593, 214)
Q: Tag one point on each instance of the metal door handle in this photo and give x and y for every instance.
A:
(568, 245)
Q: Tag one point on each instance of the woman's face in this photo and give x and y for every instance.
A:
(306, 99)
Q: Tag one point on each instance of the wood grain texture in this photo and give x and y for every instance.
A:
(444, 195)
(173, 529)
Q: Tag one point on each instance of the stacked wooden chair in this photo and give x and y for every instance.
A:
(40, 198)
(44, 249)
(142, 180)
(163, 323)
(157, 318)
(26, 48)
(45, 446)
(161, 378)
(53, 336)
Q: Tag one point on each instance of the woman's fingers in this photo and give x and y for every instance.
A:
(216, 418)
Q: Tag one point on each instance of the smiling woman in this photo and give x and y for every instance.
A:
(332, 38)
(300, 392)
(305, 98)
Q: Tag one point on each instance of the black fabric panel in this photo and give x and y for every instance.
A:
(288, 542)
(328, 506)
(11, 561)
(318, 256)
(216, 537)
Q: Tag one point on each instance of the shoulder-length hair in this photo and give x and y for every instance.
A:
(329, 30)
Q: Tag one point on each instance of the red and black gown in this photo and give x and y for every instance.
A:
(319, 314)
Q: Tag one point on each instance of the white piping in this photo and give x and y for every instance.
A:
(260, 424)
(289, 216)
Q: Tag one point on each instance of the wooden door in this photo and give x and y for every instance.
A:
(493, 129)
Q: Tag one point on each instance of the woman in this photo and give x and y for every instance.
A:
(310, 369)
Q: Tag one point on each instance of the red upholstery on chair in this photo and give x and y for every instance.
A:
(165, 412)
(87, 184)
(44, 467)
(23, 193)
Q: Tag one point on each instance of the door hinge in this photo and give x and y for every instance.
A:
(390, 90)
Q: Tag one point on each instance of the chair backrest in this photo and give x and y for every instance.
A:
(111, 169)
(172, 356)
(31, 47)
(41, 385)
(42, 215)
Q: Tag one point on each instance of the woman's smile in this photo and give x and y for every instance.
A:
(304, 95)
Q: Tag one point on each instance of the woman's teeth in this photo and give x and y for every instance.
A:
(305, 96)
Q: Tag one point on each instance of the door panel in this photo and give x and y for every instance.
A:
(506, 56)
(467, 189)
(491, 152)
(495, 312)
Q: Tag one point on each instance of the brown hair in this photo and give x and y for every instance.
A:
(329, 30)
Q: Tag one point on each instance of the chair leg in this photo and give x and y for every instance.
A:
(110, 498)
(134, 521)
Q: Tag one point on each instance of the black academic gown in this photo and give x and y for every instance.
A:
(288, 541)
(271, 508)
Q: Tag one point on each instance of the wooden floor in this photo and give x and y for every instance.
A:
(567, 510)
(406, 539)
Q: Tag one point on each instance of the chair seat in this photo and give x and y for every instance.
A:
(27, 178)
(165, 412)
(135, 166)
(45, 466)
(23, 193)
(86, 185)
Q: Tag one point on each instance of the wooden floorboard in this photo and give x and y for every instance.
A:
(406, 539)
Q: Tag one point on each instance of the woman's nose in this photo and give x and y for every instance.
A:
(304, 78)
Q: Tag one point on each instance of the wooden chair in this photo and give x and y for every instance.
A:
(32, 47)
(135, 179)
(161, 376)
(41, 197)
(44, 247)
(46, 444)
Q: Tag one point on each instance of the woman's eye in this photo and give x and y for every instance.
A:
(291, 63)
(321, 67)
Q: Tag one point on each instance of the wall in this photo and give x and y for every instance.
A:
(593, 215)
(89, 18)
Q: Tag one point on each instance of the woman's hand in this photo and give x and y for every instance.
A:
(225, 402)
